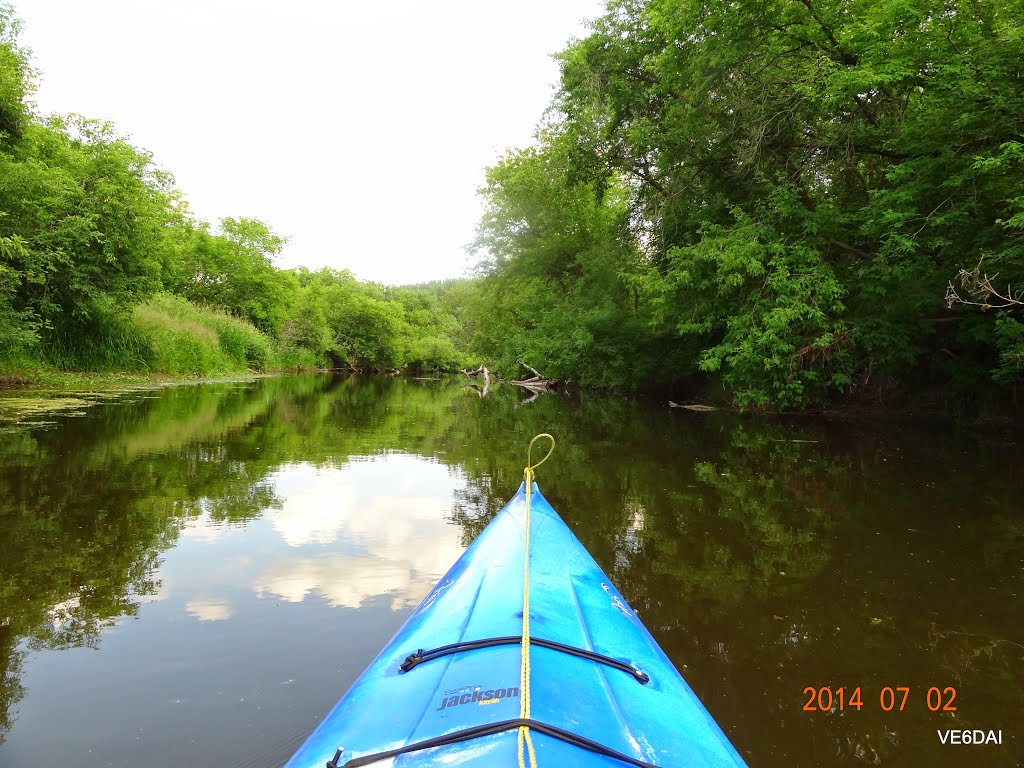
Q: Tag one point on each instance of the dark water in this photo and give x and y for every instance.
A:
(193, 576)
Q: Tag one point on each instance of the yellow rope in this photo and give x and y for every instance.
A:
(525, 742)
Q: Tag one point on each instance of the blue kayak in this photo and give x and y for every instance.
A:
(453, 688)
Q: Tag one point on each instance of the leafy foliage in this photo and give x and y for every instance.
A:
(83, 213)
(794, 183)
(559, 266)
(234, 269)
(15, 79)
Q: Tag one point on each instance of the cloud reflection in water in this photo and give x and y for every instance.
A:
(359, 544)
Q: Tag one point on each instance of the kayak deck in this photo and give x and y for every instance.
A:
(614, 688)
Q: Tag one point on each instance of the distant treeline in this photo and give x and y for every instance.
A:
(765, 202)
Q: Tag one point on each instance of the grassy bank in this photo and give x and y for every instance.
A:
(166, 337)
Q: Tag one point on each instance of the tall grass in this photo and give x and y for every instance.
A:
(188, 339)
(165, 334)
(104, 339)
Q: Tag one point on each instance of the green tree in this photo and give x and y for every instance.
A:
(18, 327)
(15, 79)
(799, 181)
(561, 270)
(430, 328)
(234, 270)
(88, 210)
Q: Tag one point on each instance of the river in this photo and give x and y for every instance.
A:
(193, 575)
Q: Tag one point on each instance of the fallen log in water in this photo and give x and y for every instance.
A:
(538, 382)
(693, 407)
(482, 370)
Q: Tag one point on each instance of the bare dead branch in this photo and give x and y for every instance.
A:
(978, 285)
(537, 374)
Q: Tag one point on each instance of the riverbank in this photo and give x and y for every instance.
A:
(37, 395)
(163, 339)
(41, 389)
(73, 381)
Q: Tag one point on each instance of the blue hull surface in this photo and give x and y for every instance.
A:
(573, 603)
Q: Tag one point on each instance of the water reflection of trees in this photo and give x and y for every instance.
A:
(86, 509)
(742, 544)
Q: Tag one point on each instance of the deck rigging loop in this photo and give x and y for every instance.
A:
(421, 656)
(525, 742)
(489, 729)
(530, 466)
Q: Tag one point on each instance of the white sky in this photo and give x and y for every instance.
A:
(358, 129)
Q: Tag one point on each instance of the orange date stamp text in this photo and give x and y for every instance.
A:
(890, 698)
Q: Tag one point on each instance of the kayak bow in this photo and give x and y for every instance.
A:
(457, 684)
